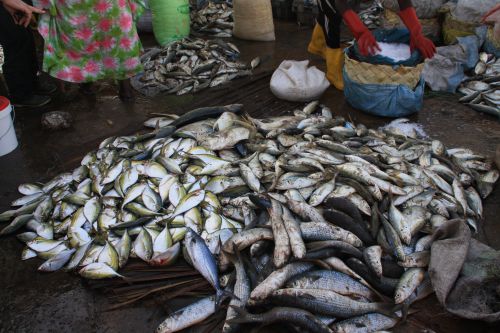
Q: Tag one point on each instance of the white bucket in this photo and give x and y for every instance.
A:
(8, 140)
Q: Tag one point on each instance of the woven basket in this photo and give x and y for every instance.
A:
(366, 73)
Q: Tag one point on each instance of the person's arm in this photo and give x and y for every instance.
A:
(21, 12)
(366, 41)
(417, 40)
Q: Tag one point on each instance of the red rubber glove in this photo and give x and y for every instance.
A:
(366, 42)
(417, 40)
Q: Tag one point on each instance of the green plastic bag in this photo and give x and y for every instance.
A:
(170, 20)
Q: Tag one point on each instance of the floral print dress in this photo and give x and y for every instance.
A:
(90, 40)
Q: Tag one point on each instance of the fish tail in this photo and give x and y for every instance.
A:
(126, 279)
(405, 310)
(389, 309)
(243, 316)
(223, 294)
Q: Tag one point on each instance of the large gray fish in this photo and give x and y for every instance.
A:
(204, 262)
(188, 316)
(328, 302)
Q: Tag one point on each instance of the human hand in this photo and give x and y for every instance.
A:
(21, 12)
(368, 44)
(424, 45)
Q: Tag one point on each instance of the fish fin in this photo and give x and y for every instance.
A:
(260, 201)
(126, 279)
(404, 310)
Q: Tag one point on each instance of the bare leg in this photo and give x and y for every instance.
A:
(126, 92)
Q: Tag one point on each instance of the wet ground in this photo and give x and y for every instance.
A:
(58, 302)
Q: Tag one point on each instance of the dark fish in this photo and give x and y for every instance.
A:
(346, 206)
(342, 247)
(294, 316)
(346, 222)
(360, 189)
(204, 113)
(385, 285)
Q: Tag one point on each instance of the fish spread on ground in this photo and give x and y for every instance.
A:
(326, 224)
(190, 65)
(214, 19)
(482, 91)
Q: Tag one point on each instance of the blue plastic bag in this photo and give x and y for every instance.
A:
(386, 100)
(396, 35)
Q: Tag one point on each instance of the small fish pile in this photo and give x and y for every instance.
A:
(215, 19)
(482, 92)
(189, 66)
(371, 16)
(133, 197)
(314, 221)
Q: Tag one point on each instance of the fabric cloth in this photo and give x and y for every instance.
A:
(465, 273)
(90, 40)
(20, 64)
(330, 18)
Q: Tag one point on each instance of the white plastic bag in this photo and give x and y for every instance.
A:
(295, 81)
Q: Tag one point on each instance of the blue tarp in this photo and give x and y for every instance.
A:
(386, 100)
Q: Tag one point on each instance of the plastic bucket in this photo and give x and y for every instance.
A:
(8, 140)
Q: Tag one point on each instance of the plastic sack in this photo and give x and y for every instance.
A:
(492, 42)
(295, 81)
(253, 20)
(170, 20)
(445, 71)
(472, 11)
(386, 100)
(425, 9)
(431, 27)
(443, 74)
(388, 36)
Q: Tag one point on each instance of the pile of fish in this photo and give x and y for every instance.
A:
(482, 92)
(134, 196)
(215, 19)
(189, 66)
(312, 220)
(371, 16)
(343, 224)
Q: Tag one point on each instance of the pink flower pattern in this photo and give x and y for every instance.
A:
(126, 21)
(90, 40)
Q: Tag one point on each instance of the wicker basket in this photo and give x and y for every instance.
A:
(366, 73)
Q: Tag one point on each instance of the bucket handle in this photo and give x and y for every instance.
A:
(11, 123)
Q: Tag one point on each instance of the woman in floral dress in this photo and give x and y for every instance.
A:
(91, 40)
